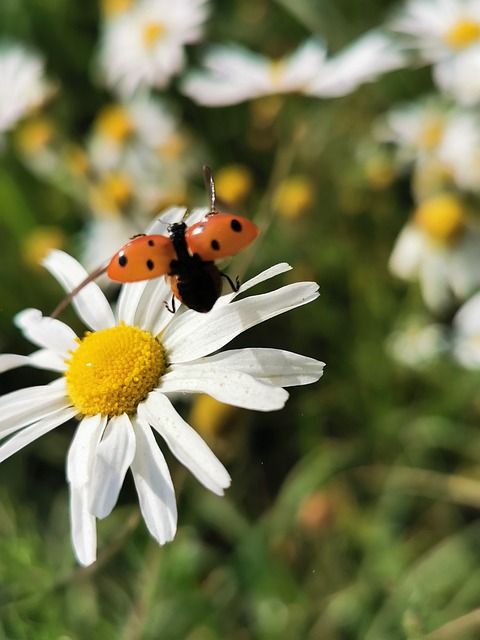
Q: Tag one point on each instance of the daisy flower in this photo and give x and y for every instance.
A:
(439, 247)
(234, 74)
(417, 343)
(24, 86)
(415, 128)
(446, 33)
(143, 46)
(440, 29)
(118, 379)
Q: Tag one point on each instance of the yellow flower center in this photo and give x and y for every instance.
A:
(35, 135)
(276, 72)
(430, 135)
(152, 32)
(113, 370)
(463, 34)
(113, 122)
(114, 7)
(233, 183)
(118, 188)
(442, 217)
(293, 196)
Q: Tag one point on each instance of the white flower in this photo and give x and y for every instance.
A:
(447, 34)
(143, 47)
(372, 55)
(460, 76)
(416, 128)
(416, 343)
(23, 87)
(234, 74)
(440, 29)
(466, 333)
(118, 380)
(136, 153)
(439, 247)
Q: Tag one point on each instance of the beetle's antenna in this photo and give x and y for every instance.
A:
(90, 278)
(210, 187)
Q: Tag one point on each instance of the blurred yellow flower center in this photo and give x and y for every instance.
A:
(113, 370)
(276, 72)
(35, 135)
(114, 7)
(293, 196)
(463, 34)
(233, 183)
(117, 188)
(113, 122)
(441, 217)
(152, 32)
(430, 135)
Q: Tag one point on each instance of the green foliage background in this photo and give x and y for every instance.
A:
(353, 512)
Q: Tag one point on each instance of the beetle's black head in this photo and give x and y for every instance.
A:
(176, 230)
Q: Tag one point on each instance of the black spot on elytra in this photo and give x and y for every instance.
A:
(122, 260)
(149, 264)
(215, 245)
(151, 243)
(236, 226)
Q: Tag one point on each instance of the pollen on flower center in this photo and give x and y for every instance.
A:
(152, 32)
(442, 217)
(463, 34)
(113, 370)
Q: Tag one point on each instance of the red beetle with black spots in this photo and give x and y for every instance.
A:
(186, 256)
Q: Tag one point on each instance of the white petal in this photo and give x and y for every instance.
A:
(169, 216)
(90, 303)
(113, 456)
(156, 495)
(184, 442)
(12, 361)
(271, 272)
(128, 300)
(407, 253)
(83, 527)
(193, 336)
(275, 366)
(231, 387)
(34, 431)
(46, 332)
(25, 406)
(82, 449)
(46, 359)
(155, 315)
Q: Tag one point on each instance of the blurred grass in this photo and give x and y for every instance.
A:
(353, 512)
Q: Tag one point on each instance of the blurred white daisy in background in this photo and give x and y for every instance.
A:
(364, 60)
(459, 77)
(417, 343)
(233, 74)
(117, 380)
(439, 248)
(440, 29)
(140, 125)
(446, 33)
(142, 47)
(138, 156)
(24, 85)
(415, 128)
(466, 333)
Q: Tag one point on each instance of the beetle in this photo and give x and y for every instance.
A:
(186, 256)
